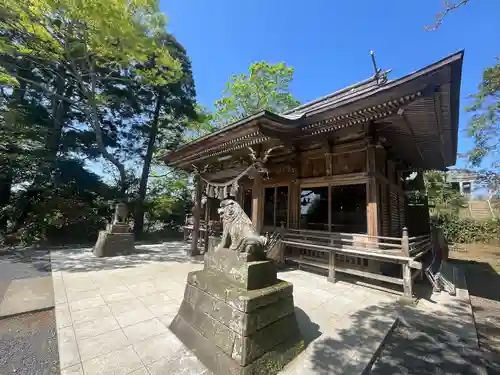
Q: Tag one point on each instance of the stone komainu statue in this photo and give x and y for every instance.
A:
(121, 214)
(238, 233)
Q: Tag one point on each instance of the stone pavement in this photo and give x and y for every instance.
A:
(438, 334)
(113, 314)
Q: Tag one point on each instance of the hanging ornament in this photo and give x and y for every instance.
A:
(234, 188)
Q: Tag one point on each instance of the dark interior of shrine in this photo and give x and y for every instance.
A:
(347, 204)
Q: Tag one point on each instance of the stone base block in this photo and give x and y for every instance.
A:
(235, 331)
(220, 363)
(245, 270)
(111, 244)
(118, 228)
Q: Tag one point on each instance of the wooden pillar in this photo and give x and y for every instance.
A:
(331, 267)
(371, 190)
(294, 205)
(405, 242)
(407, 279)
(330, 208)
(257, 202)
(240, 196)
(196, 215)
(208, 205)
(295, 191)
(402, 201)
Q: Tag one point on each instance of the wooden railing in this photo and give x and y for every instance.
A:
(350, 253)
(418, 246)
(214, 228)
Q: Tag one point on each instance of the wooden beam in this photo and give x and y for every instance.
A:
(196, 215)
(379, 176)
(335, 180)
(257, 202)
(328, 158)
(439, 120)
(371, 189)
(208, 205)
(406, 123)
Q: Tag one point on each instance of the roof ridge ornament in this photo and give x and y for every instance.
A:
(380, 76)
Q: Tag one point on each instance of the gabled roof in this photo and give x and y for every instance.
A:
(422, 107)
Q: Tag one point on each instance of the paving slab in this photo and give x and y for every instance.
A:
(30, 294)
(343, 324)
(437, 333)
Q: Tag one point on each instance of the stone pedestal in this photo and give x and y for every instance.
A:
(237, 317)
(115, 240)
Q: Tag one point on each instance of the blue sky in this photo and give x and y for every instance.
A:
(328, 41)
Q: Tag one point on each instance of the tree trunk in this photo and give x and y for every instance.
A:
(139, 210)
(60, 110)
(5, 193)
(96, 126)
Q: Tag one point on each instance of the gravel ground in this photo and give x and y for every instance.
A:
(28, 344)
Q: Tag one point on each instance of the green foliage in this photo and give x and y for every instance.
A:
(81, 80)
(466, 230)
(167, 201)
(116, 32)
(442, 198)
(484, 127)
(202, 124)
(265, 87)
(86, 45)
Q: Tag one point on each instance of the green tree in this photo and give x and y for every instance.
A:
(484, 126)
(88, 42)
(442, 197)
(202, 124)
(174, 104)
(265, 87)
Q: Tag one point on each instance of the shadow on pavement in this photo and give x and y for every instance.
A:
(82, 259)
(420, 344)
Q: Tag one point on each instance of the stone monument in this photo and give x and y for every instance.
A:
(116, 238)
(237, 317)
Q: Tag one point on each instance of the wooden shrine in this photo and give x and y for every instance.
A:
(330, 174)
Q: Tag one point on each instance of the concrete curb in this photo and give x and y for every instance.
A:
(6, 316)
(463, 294)
(27, 295)
(382, 343)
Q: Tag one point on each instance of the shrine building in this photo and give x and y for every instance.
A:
(330, 174)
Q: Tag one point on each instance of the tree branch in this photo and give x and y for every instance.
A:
(447, 8)
(46, 90)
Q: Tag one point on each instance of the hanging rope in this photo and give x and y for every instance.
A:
(221, 190)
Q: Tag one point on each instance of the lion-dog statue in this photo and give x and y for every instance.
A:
(238, 233)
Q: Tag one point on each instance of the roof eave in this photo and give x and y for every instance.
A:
(265, 114)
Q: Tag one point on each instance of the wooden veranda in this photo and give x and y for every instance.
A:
(330, 174)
